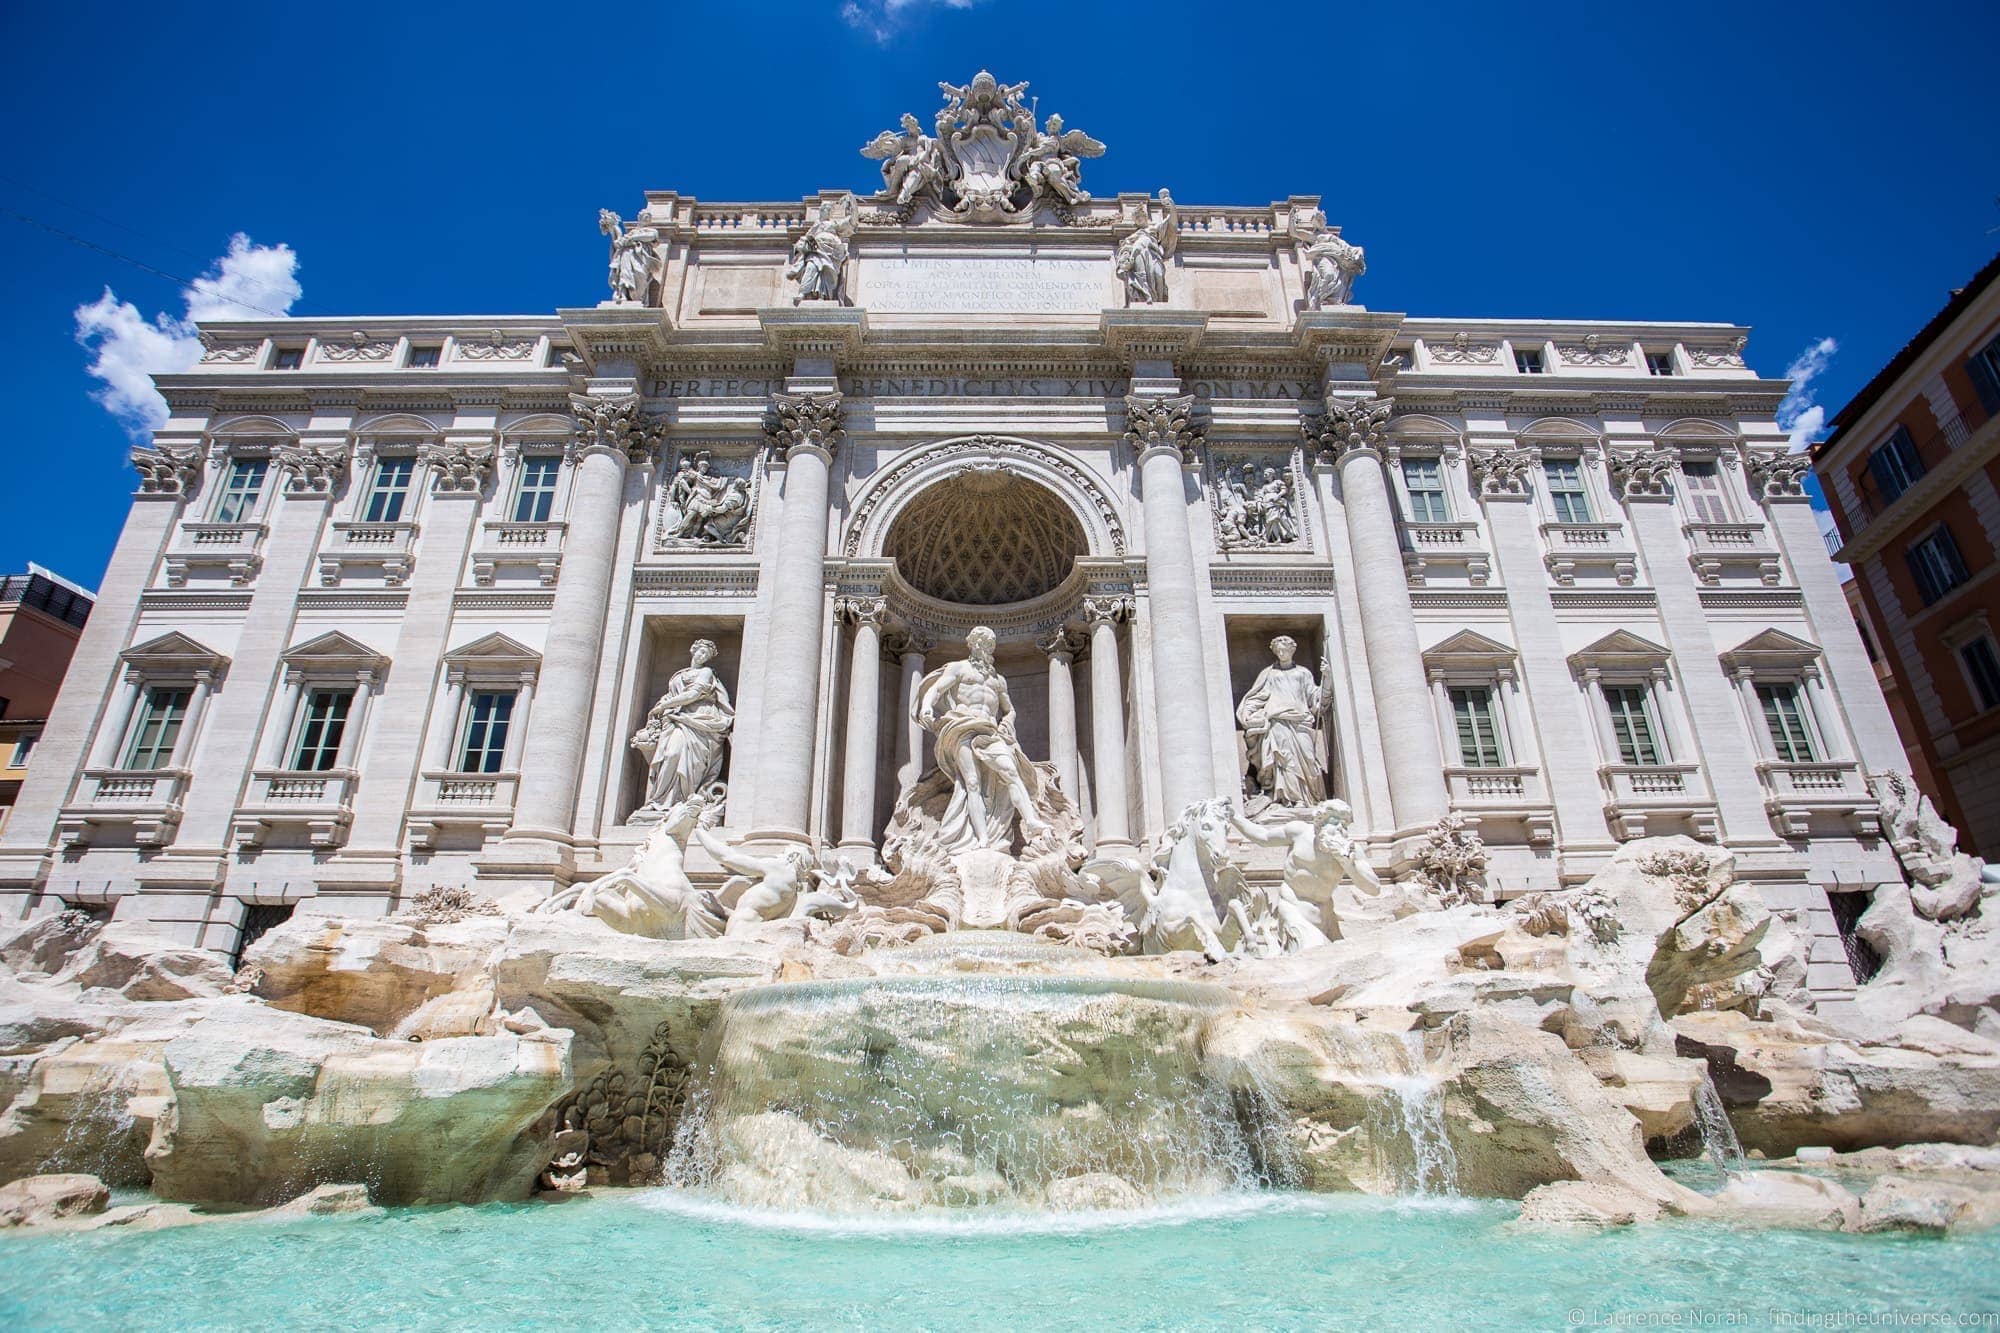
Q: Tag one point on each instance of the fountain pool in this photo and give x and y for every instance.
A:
(1268, 1261)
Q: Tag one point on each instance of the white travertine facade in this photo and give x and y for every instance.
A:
(395, 594)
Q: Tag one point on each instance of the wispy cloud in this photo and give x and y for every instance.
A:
(128, 349)
(1801, 417)
(882, 19)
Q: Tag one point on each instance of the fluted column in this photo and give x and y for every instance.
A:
(1061, 649)
(910, 649)
(1107, 718)
(1161, 432)
(609, 432)
(864, 694)
(806, 426)
(1352, 430)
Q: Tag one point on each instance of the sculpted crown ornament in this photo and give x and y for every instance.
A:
(1157, 423)
(310, 469)
(165, 470)
(457, 466)
(1502, 472)
(805, 421)
(1642, 473)
(1778, 476)
(1349, 424)
(613, 423)
(988, 162)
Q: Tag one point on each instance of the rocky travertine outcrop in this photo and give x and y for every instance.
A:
(39, 1200)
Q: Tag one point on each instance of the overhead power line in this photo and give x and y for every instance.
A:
(123, 258)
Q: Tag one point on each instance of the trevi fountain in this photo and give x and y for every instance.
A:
(1406, 922)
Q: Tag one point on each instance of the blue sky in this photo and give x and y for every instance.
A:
(1815, 171)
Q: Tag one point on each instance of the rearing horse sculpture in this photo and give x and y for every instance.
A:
(651, 894)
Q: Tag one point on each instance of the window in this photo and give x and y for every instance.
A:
(387, 491)
(536, 495)
(1659, 363)
(1704, 492)
(161, 715)
(1982, 668)
(424, 358)
(487, 716)
(1894, 464)
(1984, 367)
(288, 358)
(1935, 564)
(1528, 361)
(1567, 495)
(1632, 724)
(23, 747)
(320, 730)
(1423, 482)
(1478, 736)
(1784, 714)
(555, 356)
(240, 487)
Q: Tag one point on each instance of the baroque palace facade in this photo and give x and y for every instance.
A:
(414, 601)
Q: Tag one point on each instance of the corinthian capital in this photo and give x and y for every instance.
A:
(1348, 424)
(612, 423)
(457, 466)
(310, 469)
(1162, 423)
(805, 421)
(1502, 472)
(1642, 473)
(165, 470)
(862, 610)
(1777, 476)
(1106, 610)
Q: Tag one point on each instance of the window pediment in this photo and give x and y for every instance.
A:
(1620, 652)
(1772, 651)
(1468, 651)
(493, 656)
(334, 653)
(173, 654)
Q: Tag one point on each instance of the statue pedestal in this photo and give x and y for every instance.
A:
(983, 875)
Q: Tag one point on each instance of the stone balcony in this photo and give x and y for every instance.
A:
(480, 803)
(1449, 552)
(510, 549)
(1594, 550)
(1641, 800)
(145, 801)
(383, 552)
(212, 551)
(1492, 797)
(1829, 796)
(1725, 553)
(321, 805)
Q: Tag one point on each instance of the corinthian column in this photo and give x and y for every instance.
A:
(1107, 718)
(1352, 431)
(608, 433)
(864, 694)
(806, 427)
(910, 649)
(1165, 439)
(1061, 649)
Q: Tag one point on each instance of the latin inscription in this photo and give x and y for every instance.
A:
(971, 386)
(914, 284)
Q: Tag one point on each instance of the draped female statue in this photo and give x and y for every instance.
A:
(684, 732)
(1281, 718)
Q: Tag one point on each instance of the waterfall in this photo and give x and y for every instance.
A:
(1411, 1117)
(1718, 1136)
(966, 1089)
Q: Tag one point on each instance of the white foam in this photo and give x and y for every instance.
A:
(992, 1222)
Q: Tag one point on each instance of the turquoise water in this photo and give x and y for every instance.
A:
(1252, 1262)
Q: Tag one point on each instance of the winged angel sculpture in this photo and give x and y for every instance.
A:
(989, 161)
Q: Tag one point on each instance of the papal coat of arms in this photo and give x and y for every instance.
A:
(989, 160)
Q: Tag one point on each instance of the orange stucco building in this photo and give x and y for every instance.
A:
(41, 617)
(1912, 471)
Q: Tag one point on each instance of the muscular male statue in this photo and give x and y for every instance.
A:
(966, 706)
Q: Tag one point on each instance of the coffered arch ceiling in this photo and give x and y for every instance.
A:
(985, 537)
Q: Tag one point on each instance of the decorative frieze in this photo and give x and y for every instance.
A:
(1463, 351)
(1594, 351)
(805, 421)
(1728, 356)
(358, 348)
(496, 348)
(231, 353)
(1163, 423)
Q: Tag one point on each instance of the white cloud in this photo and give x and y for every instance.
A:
(1801, 417)
(880, 19)
(128, 349)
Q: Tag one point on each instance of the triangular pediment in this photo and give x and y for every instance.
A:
(1620, 649)
(495, 647)
(174, 651)
(335, 650)
(1771, 648)
(1468, 648)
